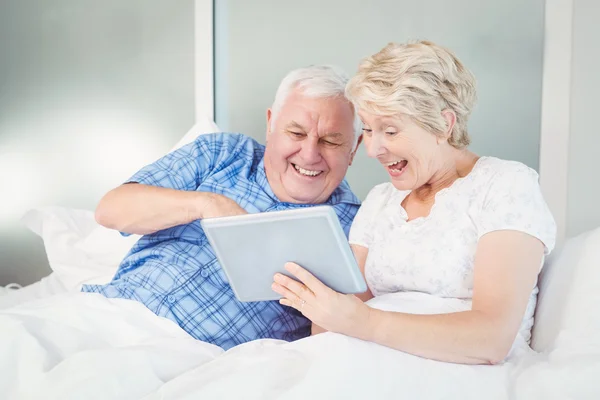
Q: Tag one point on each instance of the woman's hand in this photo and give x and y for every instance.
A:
(332, 311)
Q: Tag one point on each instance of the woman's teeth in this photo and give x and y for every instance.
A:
(306, 172)
(397, 164)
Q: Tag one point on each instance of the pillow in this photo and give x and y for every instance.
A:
(79, 250)
(202, 127)
(568, 311)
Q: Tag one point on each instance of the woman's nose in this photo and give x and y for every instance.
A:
(375, 146)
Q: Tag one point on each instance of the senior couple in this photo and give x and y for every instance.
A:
(449, 223)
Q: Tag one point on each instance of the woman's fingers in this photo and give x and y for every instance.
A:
(299, 289)
(290, 298)
(308, 279)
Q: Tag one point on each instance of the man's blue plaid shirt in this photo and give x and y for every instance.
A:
(174, 272)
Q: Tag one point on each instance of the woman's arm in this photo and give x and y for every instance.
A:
(360, 254)
(507, 264)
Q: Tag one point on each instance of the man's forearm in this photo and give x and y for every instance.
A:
(142, 209)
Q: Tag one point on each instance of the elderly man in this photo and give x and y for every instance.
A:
(312, 136)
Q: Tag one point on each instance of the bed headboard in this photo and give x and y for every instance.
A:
(556, 103)
(570, 141)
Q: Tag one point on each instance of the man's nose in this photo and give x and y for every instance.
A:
(310, 152)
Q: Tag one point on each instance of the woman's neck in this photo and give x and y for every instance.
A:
(459, 164)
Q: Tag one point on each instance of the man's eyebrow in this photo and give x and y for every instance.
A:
(333, 135)
(295, 125)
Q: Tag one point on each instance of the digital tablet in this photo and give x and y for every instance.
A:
(251, 248)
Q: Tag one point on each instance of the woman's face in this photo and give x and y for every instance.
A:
(409, 153)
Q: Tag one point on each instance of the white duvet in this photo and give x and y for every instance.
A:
(61, 344)
(84, 346)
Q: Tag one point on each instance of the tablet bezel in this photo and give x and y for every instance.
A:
(316, 212)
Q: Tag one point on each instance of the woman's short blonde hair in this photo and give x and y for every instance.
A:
(420, 80)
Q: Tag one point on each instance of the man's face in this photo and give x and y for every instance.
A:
(310, 145)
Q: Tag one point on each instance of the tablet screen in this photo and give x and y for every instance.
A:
(252, 248)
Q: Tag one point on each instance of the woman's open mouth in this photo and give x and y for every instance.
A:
(396, 168)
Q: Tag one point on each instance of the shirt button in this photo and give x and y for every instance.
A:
(171, 299)
(204, 273)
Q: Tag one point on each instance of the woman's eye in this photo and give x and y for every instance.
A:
(391, 133)
(367, 131)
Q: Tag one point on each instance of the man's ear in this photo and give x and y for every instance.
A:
(450, 118)
(269, 116)
(360, 138)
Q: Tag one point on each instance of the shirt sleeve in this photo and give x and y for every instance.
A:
(187, 167)
(346, 213)
(361, 232)
(514, 201)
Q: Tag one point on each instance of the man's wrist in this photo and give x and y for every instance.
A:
(199, 203)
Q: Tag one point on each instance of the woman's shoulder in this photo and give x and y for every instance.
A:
(510, 198)
(494, 169)
(378, 198)
(381, 193)
(375, 202)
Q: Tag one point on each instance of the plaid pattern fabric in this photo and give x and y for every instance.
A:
(175, 273)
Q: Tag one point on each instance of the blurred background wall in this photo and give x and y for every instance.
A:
(89, 92)
(257, 42)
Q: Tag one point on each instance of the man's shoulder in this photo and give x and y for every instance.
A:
(343, 194)
(228, 139)
(229, 145)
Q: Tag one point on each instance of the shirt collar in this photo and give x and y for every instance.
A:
(261, 179)
(342, 194)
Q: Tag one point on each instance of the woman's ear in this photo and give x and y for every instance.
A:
(450, 118)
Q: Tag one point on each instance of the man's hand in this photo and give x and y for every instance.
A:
(217, 205)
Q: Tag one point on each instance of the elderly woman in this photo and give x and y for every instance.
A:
(449, 224)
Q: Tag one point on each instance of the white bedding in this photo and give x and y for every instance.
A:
(84, 346)
(45, 287)
(57, 343)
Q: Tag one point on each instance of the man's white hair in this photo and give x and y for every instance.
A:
(321, 81)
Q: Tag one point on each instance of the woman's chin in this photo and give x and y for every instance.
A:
(402, 184)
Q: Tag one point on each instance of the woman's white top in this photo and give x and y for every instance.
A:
(435, 254)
